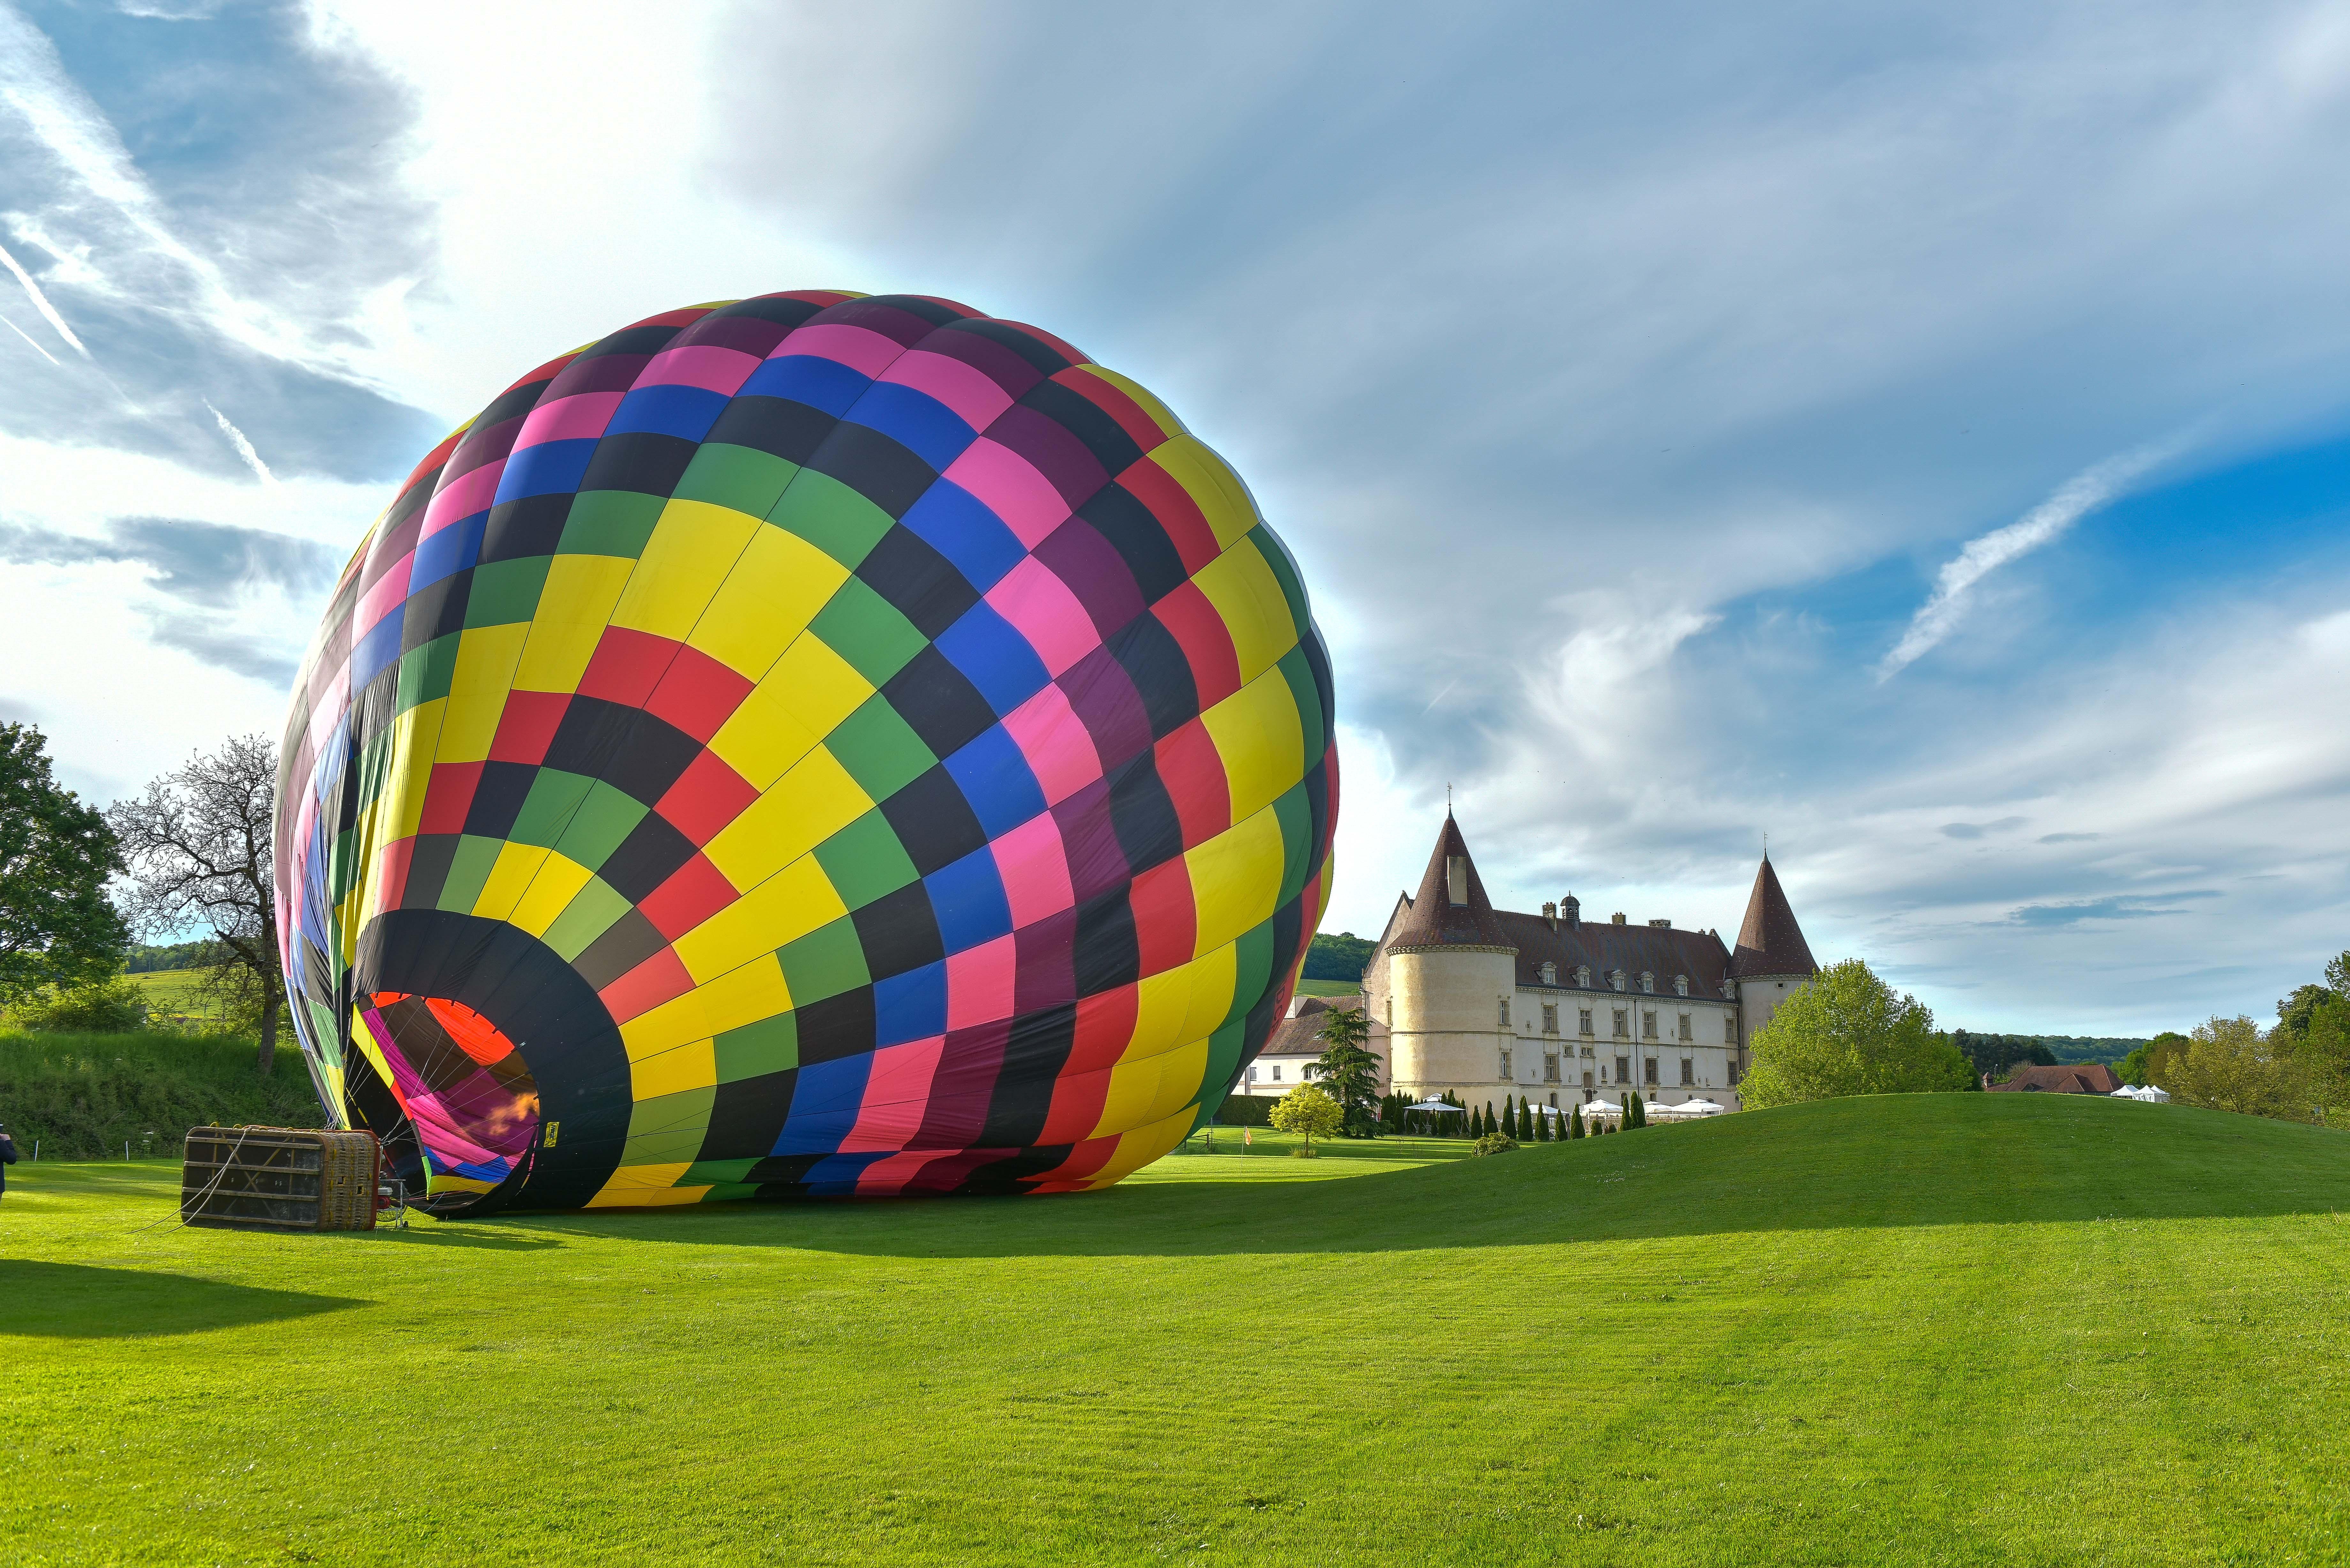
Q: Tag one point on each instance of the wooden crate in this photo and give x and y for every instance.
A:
(279, 1178)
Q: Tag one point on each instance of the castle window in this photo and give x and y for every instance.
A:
(1623, 1026)
(1648, 982)
(1584, 1013)
(1505, 1064)
(1730, 1029)
(1681, 985)
(1586, 1080)
(1583, 975)
(1550, 1066)
(1688, 1074)
(1733, 1072)
(1648, 1026)
(1550, 974)
(1505, 1013)
(1623, 1069)
(1616, 981)
(1276, 1074)
(1550, 1017)
(1651, 1065)
(1386, 1006)
(1251, 1075)
(1686, 1033)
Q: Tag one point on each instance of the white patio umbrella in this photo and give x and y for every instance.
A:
(1602, 1108)
(1688, 1108)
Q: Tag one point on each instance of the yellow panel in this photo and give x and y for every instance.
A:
(743, 995)
(509, 879)
(1213, 977)
(1235, 878)
(487, 658)
(693, 548)
(807, 805)
(774, 591)
(1162, 1002)
(1248, 597)
(574, 608)
(550, 893)
(645, 1186)
(1143, 1090)
(1161, 414)
(1261, 739)
(693, 1066)
(1143, 1144)
(416, 737)
(1213, 487)
(811, 689)
(786, 906)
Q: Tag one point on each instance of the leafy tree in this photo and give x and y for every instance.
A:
(200, 844)
(1342, 957)
(2293, 1012)
(2141, 1066)
(1348, 1070)
(2228, 1065)
(1308, 1112)
(112, 1006)
(1847, 1033)
(56, 928)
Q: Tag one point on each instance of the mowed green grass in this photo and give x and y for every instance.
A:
(179, 996)
(1950, 1329)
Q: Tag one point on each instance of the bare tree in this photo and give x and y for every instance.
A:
(199, 846)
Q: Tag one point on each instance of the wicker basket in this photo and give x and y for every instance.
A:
(279, 1178)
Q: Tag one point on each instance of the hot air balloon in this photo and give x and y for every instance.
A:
(811, 745)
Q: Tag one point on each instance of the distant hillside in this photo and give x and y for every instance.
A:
(178, 955)
(1341, 957)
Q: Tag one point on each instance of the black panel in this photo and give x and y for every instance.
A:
(929, 311)
(777, 426)
(1142, 814)
(518, 530)
(632, 341)
(920, 583)
(510, 404)
(646, 461)
(497, 799)
(434, 611)
(1288, 929)
(899, 932)
(1154, 661)
(1009, 1174)
(625, 943)
(427, 869)
(938, 703)
(1089, 422)
(1047, 360)
(1033, 1059)
(873, 465)
(1106, 955)
(934, 822)
(747, 1117)
(648, 857)
(771, 308)
(1138, 537)
(836, 1027)
(627, 747)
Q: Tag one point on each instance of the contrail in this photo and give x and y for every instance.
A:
(29, 339)
(41, 303)
(243, 448)
(2075, 499)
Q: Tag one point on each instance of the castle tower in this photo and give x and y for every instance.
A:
(1772, 959)
(1449, 975)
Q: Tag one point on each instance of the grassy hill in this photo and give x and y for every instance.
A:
(84, 1096)
(1954, 1329)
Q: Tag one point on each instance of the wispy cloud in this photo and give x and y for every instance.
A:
(2075, 499)
(2126, 907)
(41, 303)
(35, 347)
(205, 564)
(243, 448)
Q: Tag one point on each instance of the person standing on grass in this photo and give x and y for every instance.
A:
(7, 1158)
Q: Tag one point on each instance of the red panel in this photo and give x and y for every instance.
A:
(391, 872)
(448, 796)
(1084, 1160)
(1105, 1029)
(1077, 1100)
(698, 694)
(1140, 427)
(627, 666)
(707, 796)
(694, 891)
(1206, 642)
(1165, 925)
(657, 979)
(1193, 772)
(1177, 513)
(527, 727)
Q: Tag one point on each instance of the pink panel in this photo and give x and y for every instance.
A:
(1010, 487)
(970, 391)
(1034, 868)
(1058, 747)
(707, 366)
(867, 352)
(887, 1176)
(979, 984)
(897, 1097)
(576, 418)
(468, 494)
(1041, 608)
(389, 592)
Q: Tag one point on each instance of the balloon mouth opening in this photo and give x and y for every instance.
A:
(465, 1091)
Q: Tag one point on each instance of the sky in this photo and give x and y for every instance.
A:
(1917, 433)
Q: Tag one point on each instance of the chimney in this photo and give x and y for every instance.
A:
(1550, 913)
(1571, 907)
(1665, 925)
(1617, 916)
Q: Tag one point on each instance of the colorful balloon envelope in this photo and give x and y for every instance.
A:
(816, 745)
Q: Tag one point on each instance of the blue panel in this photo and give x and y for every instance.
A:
(910, 1006)
(825, 384)
(684, 412)
(550, 468)
(453, 549)
(377, 652)
(953, 522)
(915, 420)
(836, 1177)
(825, 1099)
(995, 779)
(994, 657)
(968, 899)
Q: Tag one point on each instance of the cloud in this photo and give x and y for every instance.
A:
(243, 448)
(1976, 829)
(2076, 498)
(41, 303)
(2069, 837)
(201, 563)
(2122, 907)
(240, 653)
(30, 344)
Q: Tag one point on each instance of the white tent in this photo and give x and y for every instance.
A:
(2148, 1095)
(1686, 1108)
(1435, 1105)
(1602, 1108)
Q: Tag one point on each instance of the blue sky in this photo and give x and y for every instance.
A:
(1919, 434)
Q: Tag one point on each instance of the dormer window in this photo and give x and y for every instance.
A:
(1647, 982)
(1681, 985)
(1583, 975)
(1550, 974)
(1456, 877)
(1616, 981)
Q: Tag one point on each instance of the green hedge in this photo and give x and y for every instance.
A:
(81, 1096)
(1246, 1111)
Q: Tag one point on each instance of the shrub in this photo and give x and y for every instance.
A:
(115, 1006)
(83, 1094)
(1496, 1143)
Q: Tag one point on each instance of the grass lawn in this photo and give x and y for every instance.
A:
(178, 995)
(1950, 1329)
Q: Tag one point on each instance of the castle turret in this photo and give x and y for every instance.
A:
(1450, 972)
(1772, 959)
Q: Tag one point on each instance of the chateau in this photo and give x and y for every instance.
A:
(1487, 1002)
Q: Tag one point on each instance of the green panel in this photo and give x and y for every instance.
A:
(1252, 971)
(604, 819)
(769, 1045)
(1296, 819)
(610, 523)
(825, 963)
(589, 915)
(1284, 572)
(831, 516)
(468, 871)
(720, 1173)
(668, 1129)
(865, 860)
(1311, 719)
(425, 672)
(339, 862)
(504, 592)
(878, 750)
(1223, 1065)
(725, 1192)
(741, 477)
(547, 810)
(867, 631)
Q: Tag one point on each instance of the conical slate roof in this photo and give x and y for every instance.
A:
(1434, 919)
(1770, 942)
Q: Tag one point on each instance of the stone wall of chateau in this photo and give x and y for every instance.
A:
(1443, 1017)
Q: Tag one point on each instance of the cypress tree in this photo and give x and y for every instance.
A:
(1575, 1122)
(1542, 1128)
(1525, 1128)
(1508, 1116)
